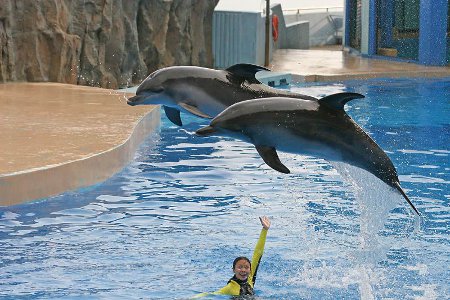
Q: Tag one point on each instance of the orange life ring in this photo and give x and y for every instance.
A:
(275, 27)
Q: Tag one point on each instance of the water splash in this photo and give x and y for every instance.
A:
(375, 200)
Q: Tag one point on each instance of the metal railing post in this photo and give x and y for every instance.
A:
(267, 48)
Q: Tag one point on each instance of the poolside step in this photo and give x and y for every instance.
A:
(274, 78)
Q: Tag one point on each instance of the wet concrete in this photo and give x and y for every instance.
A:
(333, 64)
(56, 137)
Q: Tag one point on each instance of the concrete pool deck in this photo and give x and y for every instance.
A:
(333, 64)
(58, 137)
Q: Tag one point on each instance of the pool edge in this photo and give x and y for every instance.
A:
(366, 76)
(53, 180)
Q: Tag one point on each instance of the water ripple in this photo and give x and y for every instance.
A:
(187, 206)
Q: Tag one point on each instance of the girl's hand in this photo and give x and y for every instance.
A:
(265, 222)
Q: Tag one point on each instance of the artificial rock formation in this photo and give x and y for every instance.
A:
(107, 43)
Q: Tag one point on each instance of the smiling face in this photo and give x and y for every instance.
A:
(242, 269)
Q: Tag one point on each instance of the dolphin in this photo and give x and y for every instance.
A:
(202, 91)
(318, 128)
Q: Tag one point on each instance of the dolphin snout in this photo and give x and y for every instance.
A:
(134, 100)
(206, 131)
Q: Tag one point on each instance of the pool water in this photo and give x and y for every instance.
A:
(170, 224)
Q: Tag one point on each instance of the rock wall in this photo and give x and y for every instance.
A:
(107, 43)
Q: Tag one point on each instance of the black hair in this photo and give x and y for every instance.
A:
(241, 258)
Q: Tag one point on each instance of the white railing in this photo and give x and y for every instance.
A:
(299, 11)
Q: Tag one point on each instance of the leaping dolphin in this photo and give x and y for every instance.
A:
(204, 92)
(319, 128)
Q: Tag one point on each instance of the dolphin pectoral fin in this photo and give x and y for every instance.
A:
(173, 115)
(247, 71)
(337, 101)
(270, 157)
(399, 188)
(194, 110)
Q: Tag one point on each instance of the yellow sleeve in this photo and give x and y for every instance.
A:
(201, 295)
(257, 254)
(231, 288)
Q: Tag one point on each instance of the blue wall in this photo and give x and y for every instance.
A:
(433, 32)
(428, 45)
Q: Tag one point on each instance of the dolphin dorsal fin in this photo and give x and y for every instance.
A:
(247, 71)
(173, 115)
(270, 157)
(337, 101)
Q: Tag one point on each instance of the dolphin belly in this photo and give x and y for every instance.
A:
(285, 140)
(333, 147)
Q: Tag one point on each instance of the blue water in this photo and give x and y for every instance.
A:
(170, 224)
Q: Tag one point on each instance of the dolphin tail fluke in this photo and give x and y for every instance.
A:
(270, 157)
(206, 131)
(399, 188)
(173, 115)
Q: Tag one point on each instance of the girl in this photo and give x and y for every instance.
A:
(244, 270)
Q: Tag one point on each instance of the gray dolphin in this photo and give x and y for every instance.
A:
(319, 128)
(203, 92)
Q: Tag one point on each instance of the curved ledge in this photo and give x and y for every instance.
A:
(52, 179)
